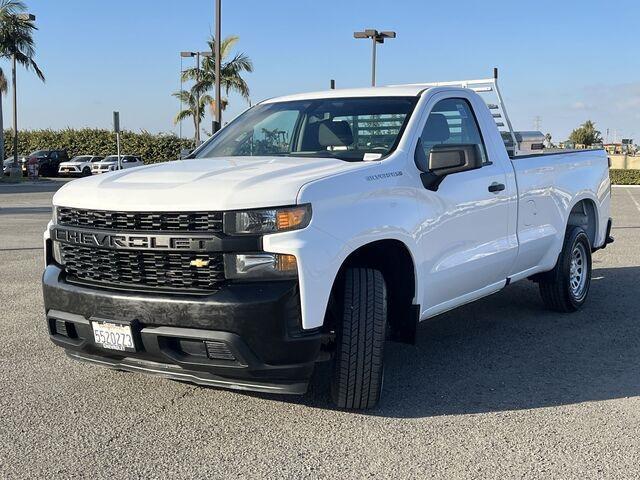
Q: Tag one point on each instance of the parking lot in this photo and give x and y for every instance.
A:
(497, 389)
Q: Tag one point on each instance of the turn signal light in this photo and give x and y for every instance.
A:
(291, 218)
(286, 263)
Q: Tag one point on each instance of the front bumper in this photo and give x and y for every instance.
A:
(245, 336)
(69, 171)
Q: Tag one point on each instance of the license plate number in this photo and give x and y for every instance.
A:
(113, 336)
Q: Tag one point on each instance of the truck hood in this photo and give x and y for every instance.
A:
(201, 184)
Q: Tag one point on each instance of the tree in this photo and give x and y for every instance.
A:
(188, 98)
(230, 71)
(16, 42)
(586, 134)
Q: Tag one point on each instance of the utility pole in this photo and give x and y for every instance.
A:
(218, 60)
(15, 111)
(29, 18)
(376, 37)
(116, 128)
(197, 99)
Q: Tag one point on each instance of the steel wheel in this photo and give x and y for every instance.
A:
(578, 271)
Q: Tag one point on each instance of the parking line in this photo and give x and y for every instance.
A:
(634, 199)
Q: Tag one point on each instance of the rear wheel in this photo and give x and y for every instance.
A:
(565, 288)
(360, 337)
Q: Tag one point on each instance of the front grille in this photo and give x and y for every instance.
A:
(141, 270)
(209, 222)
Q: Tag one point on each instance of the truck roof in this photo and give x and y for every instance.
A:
(386, 91)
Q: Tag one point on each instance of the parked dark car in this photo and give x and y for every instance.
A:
(48, 162)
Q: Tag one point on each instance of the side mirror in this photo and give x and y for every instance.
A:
(184, 153)
(444, 160)
(447, 159)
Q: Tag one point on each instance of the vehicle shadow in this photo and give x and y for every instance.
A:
(44, 185)
(506, 352)
(25, 211)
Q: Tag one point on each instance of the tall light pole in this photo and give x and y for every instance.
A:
(197, 90)
(218, 60)
(376, 37)
(27, 17)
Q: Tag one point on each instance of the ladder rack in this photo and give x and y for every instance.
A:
(499, 111)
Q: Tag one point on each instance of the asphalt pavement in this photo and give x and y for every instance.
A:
(497, 389)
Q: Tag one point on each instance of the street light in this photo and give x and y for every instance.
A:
(376, 37)
(217, 56)
(197, 55)
(25, 17)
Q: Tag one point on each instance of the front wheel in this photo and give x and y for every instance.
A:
(360, 337)
(565, 288)
(86, 171)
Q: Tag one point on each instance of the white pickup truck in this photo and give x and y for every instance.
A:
(316, 227)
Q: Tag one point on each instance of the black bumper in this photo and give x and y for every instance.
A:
(245, 336)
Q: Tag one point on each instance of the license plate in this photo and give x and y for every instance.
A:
(113, 336)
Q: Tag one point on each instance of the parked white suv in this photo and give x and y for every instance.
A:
(110, 163)
(316, 227)
(79, 165)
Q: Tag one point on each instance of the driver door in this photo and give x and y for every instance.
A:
(465, 237)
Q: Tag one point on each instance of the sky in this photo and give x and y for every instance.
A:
(562, 61)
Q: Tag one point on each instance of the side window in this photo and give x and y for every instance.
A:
(452, 122)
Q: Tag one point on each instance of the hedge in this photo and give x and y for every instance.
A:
(153, 148)
(624, 177)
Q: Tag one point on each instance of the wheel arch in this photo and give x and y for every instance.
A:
(584, 213)
(394, 259)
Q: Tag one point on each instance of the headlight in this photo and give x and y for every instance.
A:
(265, 221)
(260, 266)
(54, 214)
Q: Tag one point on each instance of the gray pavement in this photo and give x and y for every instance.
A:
(497, 389)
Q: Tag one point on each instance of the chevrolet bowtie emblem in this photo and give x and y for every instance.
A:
(199, 263)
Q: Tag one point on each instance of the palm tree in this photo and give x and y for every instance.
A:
(188, 98)
(16, 43)
(231, 71)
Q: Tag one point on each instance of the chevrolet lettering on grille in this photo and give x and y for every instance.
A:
(135, 241)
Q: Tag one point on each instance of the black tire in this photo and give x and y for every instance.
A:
(86, 171)
(358, 363)
(556, 287)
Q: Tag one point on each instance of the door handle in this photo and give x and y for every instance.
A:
(496, 187)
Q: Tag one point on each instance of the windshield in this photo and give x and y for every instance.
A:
(39, 153)
(350, 129)
(80, 158)
(110, 158)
